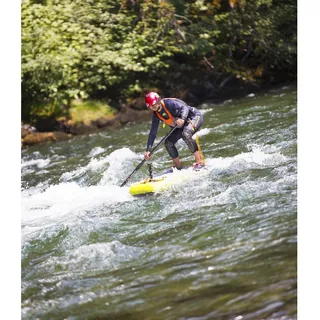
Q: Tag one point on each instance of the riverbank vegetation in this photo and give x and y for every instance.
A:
(88, 111)
(115, 51)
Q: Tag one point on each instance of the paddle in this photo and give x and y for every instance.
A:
(144, 160)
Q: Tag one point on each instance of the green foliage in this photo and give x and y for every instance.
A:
(245, 40)
(74, 48)
(85, 112)
(93, 49)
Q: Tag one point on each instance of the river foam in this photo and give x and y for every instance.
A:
(45, 204)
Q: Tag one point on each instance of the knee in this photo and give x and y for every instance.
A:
(187, 135)
(172, 150)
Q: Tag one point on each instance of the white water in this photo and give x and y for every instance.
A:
(45, 206)
(231, 229)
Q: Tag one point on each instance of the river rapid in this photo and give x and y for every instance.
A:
(220, 246)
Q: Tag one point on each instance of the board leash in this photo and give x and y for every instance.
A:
(150, 171)
(200, 151)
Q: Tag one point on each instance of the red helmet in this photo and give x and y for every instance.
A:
(151, 98)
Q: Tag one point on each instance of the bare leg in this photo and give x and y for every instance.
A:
(177, 162)
(197, 157)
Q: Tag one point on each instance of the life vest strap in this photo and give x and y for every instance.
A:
(171, 120)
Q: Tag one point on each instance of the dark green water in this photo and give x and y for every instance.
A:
(221, 246)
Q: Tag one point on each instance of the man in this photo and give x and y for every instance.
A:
(174, 112)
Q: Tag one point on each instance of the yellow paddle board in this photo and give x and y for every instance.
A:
(161, 183)
(149, 186)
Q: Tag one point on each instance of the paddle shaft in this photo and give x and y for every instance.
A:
(144, 160)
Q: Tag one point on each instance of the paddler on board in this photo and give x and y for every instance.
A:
(174, 112)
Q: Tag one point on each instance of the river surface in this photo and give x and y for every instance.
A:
(222, 245)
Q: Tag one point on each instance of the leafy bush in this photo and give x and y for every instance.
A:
(107, 49)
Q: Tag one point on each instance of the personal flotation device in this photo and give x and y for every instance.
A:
(165, 115)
